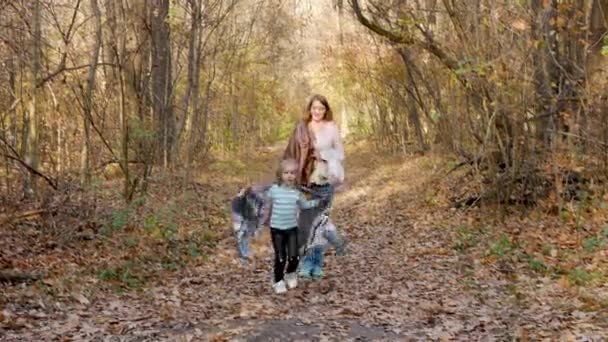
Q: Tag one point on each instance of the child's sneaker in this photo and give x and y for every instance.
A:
(291, 280)
(317, 274)
(305, 268)
(305, 273)
(244, 261)
(279, 287)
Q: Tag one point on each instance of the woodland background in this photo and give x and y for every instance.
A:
(95, 87)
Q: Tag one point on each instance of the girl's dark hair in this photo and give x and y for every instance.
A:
(329, 115)
(282, 167)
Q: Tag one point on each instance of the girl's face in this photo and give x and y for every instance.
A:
(317, 111)
(289, 174)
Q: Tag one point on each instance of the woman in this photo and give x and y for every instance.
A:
(316, 135)
(317, 146)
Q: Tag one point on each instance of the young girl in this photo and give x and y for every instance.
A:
(286, 201)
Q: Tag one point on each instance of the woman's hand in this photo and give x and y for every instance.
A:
(316, 154)
(334, 180)
(244, 191)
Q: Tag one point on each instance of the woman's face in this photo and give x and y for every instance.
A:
(317, 111)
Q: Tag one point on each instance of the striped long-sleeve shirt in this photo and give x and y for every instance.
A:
(286, 203)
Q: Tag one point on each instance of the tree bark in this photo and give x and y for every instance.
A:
(543, 90)
(577, 66)
(344, 114)
(161, 89)
(598, 24)
(88, 97)
(191, 94)
(552, 58)
(120, 57)
(414, 116)
(12, 111)
(31, 124)
(431, 16)
(194, 64)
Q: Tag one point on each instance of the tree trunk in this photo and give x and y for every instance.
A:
(161, 79)
(109, 43)
(431, 17)
(186, 123)
(12, 83)
(552, 57)
(31, 124)
(603, 116)
(344, 117)
(124, 141)
(414, 116)
(120, 58)
(543, 90)
(88, 98)
(194, 64)
(598, 24)
(60, 145)
(234, 112)
(13, 102)
(577, 52)
(546, 73)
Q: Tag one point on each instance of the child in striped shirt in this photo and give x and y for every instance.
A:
(287, 201)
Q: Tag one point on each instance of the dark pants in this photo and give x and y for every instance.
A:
(285, 244)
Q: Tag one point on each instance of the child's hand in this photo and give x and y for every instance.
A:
(243, 191)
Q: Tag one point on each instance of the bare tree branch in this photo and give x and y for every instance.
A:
(376, 28)
(15, 157)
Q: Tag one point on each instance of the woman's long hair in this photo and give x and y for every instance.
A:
(329, 115)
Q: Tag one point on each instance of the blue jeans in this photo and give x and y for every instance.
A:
(243, 247)
(313, 262)
(247, 229)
